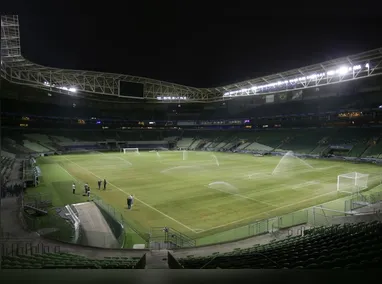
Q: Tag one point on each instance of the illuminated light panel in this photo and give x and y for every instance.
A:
(72, 90)
(341, 71)
(171, 98)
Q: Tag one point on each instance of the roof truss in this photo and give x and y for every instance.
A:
(17, 69)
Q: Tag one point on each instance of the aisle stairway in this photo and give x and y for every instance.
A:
(157, 259)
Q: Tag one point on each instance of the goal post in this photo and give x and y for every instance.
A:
(131, 151)
(352, 182)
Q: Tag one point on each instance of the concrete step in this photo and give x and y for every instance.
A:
(157, 259)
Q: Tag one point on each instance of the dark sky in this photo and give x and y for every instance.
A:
(204, 46)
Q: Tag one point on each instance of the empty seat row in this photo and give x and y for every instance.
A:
(65, 261)
(355, 246)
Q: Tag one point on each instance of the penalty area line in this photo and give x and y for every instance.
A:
(126, 161)
(144, 203)
(281, 207)
(244, 197)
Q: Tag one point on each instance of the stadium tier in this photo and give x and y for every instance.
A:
(351, 142)
(350, 246)
(65, 261)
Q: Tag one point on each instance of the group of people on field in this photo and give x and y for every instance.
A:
(130, 198)
(87, 187)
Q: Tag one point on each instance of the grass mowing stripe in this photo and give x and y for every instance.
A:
(144, 203)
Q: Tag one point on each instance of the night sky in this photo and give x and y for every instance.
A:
(203, 46)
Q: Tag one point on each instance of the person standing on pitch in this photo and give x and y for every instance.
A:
(104, 184)
(129, 199)
(132, 200)
(74, 188)
(99, 184)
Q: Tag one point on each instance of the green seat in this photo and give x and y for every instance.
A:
(312, 266)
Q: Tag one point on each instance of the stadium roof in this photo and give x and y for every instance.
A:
(17, 69)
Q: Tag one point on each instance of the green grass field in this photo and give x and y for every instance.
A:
(200, 194)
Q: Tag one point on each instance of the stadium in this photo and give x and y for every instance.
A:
(102, 170)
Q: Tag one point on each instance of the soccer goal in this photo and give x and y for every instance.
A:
(131, 151)
(184, 155)
(352, 182)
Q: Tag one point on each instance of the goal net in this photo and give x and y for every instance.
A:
(352, 182)
(134, 151)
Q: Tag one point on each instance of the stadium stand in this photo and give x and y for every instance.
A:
(6, 164)
(35, 147)
(185, 143)
(66, 261)
(360, 141)
(351, 246)
(374, 149)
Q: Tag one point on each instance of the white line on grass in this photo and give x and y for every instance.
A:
(67, 172)
(286, 206)
(243, 196)
(144, 203)
(126, 161)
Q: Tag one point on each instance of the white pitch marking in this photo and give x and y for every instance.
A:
(305, 184)
(144, 203)
(126, 161)
(67, 172)
(243, 196)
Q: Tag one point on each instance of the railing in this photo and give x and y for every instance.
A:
(169, 238)
(271, 225)
(320, 215)
(116, 222)
(55, 226)
(361, 200)
(130, 235)
(51, 226)
(39, 200)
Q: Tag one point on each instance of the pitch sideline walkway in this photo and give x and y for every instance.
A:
(94, 226)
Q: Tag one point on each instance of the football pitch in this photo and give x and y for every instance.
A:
(200, 194)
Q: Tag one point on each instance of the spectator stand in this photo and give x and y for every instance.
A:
(31, 172)
(12, 188)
